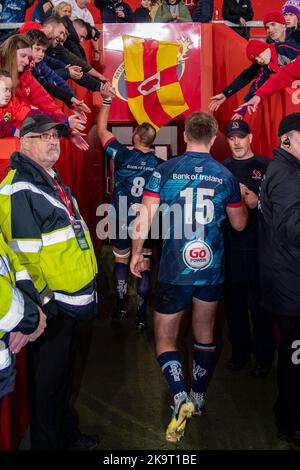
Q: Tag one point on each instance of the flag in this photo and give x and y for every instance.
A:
(153, 89)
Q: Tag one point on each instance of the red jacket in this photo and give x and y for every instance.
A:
(33, 94)
(16, 110)
(282, 79)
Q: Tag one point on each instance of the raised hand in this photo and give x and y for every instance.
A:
(79, 106)
(216, 101)
(251, 105)
(76, 122)
(78, 140)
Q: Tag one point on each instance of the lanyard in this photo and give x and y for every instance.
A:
(66, 200)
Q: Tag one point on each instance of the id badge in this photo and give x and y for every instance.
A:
(80, 236)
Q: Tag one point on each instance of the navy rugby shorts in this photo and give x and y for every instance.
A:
(172, 298)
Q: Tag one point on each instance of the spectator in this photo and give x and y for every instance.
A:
(77, 33)
(291, 13)
(12, 111)
(21, 318)
(55, 29)
(80, 11)
(242, 260)
(47, 232)
(280, 269)
(62, 9)
(203, 11)
(15, 53)
(173, 11)
(114, 11)
(142, 14)
(275, 26)
(154, 7)
(239, 12)
(267, 59)
(53, 83)
(282, 79)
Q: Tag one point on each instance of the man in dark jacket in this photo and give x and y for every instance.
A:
(203, 11)
(241, 252)
(280, 269)
(239, 12)
(114, 11)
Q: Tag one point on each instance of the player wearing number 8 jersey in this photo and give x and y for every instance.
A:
(132, 169)
(201, 192)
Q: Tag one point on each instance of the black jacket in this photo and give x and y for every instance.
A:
(72, 43)
(233, 11)
(141, 15)
(279, 235)
(203, 11)
(108, 10)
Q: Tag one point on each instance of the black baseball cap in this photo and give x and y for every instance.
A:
(41, 123)
(237, 127)
(291, 122)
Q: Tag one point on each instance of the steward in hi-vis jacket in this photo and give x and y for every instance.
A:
(43, 226)
(18, 311)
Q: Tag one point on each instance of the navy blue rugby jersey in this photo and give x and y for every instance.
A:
(194, 191)
(132, 170)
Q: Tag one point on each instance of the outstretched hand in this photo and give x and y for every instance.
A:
(216, 101)
(251, 105)
(78, 140)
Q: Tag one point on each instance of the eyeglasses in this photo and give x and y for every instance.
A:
(45, 137)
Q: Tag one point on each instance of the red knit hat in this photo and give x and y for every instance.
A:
(28, 26)
(274, 16)
(254, 48)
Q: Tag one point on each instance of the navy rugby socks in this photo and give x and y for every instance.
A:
(171, 366)
(202, 365)
(120, 277)
(143, 287)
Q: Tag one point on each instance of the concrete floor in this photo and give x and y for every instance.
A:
(121, 394)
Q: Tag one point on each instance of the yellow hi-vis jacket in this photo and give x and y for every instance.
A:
(18, 310)
(38, 226)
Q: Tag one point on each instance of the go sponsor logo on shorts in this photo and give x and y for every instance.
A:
(197, 255)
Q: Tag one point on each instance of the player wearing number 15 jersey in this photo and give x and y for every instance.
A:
(200, 191)
(132, 169)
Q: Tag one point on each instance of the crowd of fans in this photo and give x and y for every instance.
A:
(40, 60)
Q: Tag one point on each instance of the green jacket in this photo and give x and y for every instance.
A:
(39, 229)
(163, 14)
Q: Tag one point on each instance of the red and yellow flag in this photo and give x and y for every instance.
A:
(153, 89)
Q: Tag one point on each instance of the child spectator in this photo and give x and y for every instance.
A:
(53, 83)
(172, 11)
(142, 14)
(12, 111)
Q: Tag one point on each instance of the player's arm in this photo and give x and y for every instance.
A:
(102, 119)
(142, 225)
(238, 216)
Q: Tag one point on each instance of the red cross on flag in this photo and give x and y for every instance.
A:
(153, 89)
